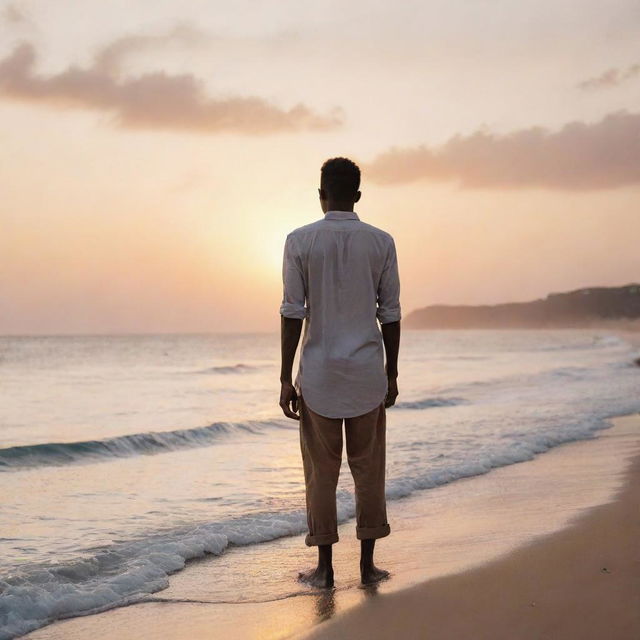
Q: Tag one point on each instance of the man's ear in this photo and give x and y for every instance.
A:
(322, 194)
(358, 194)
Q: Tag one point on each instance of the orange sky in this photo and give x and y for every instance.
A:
(153, 158)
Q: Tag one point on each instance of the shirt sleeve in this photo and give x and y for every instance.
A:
(294, 291)
(389, 289)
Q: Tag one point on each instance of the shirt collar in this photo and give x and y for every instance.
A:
(341, 215)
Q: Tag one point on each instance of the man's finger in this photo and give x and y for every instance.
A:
(290, 414)
(284, 405)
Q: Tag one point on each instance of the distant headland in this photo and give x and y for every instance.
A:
(589, 307)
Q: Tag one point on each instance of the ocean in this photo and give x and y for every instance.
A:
(123, 457)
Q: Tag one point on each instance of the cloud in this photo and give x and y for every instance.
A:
(108, 59)
(579, 156)
(13, 14)
(156, 100)
(610, 78)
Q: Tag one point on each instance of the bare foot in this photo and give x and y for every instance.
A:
(372, 574)
(318, 577)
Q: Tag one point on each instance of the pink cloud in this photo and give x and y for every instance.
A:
(14, 14)
(579, 156)
(156, 100)
(610, 78)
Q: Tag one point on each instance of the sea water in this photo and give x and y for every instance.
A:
(122, 457)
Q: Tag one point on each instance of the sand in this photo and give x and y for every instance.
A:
(582, 582)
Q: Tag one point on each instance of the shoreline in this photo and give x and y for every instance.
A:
(445, 531)
(582, 581)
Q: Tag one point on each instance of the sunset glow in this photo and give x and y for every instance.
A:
(154, 157)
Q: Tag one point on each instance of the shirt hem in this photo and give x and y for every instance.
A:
(342, 416)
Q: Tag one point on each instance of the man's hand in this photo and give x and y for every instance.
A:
(392, 392)
(391, 339)
(290, 331)
(288, 396)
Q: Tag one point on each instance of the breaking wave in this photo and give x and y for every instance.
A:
(136, 444)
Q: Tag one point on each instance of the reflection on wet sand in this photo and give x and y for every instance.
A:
(325, 605)
(371, 589)
(325, 600)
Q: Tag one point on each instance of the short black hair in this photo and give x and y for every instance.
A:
(340, 178)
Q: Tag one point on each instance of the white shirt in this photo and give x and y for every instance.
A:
(341, 274)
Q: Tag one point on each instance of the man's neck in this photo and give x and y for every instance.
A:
(335, 205)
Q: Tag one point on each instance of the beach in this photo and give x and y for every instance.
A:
(151, 488)
(224, 224)
(540, 549)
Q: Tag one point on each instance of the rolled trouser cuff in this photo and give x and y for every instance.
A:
(324, 538)
(369, 533)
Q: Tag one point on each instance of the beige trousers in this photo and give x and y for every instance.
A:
(321, 445)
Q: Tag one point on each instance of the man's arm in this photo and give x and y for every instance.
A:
(391, 339)
(290, 329)
(389, 315)
(292, 312)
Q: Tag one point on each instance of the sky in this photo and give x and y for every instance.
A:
(154, 156)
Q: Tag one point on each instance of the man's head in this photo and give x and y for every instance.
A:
(339, 184)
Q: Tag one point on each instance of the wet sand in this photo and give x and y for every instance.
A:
(581, 582)
(447, 533)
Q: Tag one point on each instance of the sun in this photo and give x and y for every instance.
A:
(264, 255)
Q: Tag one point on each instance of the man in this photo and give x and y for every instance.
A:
(341, 274)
